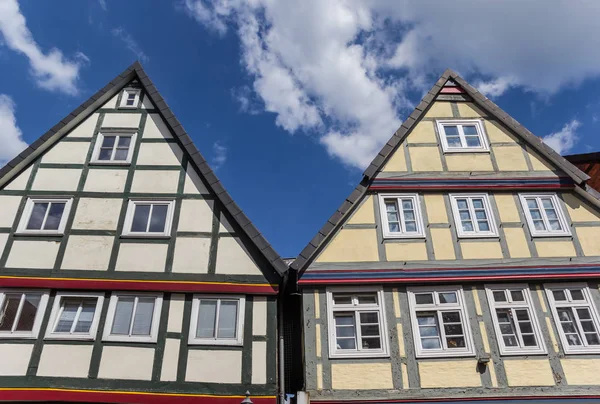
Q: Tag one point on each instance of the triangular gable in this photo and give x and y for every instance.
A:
(449, 83)
(136, 76)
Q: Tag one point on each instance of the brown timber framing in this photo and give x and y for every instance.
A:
(308, 254)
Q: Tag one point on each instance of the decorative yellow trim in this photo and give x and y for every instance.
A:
(317, 305)
(484, 337)
(318, 340)
(400, 340)
(127, 392)
(541, 297)
(477, 303)
(552, 336)
(396, 303)
(404, 376)
(319, 376)
(492, 371)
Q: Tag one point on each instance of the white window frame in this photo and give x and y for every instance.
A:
(589, 304)
(420, 233)
(131, 211)
(460, 306)
(488, 211)
(485, 147)
(112, 307)
(238, 341)
(98, 146)
(57, 311)
(125, 95)
(39, 315)
(334, 352)
(528, 305)
(559, 212)
(26, 216)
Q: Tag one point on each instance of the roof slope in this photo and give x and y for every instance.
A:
(307, 254)
(196, 158)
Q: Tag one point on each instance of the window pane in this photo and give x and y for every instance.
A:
(451, 130)
(369, 330)
(451, 317)
(424, 298)
(342, 299)
(369, 318)
(140, 218)
(592, 339)
(499, 296)
(455, 342)
(121, 154)
(447, 297)
(109, 141)
(142, 321)
(124, 141)
(8, 312)
(65, 322)
(584, 314)
(531, 203)
(227, 319)
(529, 340)
(453, 141)
(462, 204)
(346, 343)
(123, 315)
(577, 294)
(430, 343)
(86, 317)
(453, 329)
(371, 343)
(517, 295)
(411, 227)
(559, 295)
(37, 216)
(473, 141)
(370, 298)
(28, 312)
(470, 130)
(105, 154)
(207, 314)
(344, 319)
(54, 216)
(159, 218)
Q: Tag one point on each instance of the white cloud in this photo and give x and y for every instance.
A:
(103, 5)
(52, 71)
(11, 137)
(220, 155)
(130, 43)
(565, 139)
(347, 70)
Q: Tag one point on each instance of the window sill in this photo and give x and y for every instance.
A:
(57, 337)
(216, 343)
(136, 340)
(523, 353)
(145, 237)
(404, 237)
(445, 355)
(552, 235)
(448, 151)
(358, 355)
(476, 236)
(38, 234)
(109, 163)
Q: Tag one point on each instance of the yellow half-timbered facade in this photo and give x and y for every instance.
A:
(464, 266)
(127, 272)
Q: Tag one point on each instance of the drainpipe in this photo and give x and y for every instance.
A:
(280, 336)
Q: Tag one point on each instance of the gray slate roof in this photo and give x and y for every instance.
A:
(307, 254)
(78, 114)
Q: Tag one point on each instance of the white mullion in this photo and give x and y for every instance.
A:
(471, 209)
(442, 333)
(149, 218)
(77, 314)
(461, 134)
(543, 213)
(19, 309)
(217, 314)
(58, 316)
(401, 216)
(358, 334)
(577, 322)
(518, 328)
(45, 214)
(135, 303)
(114, 148)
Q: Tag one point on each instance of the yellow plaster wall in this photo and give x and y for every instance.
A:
(481, 250)
(510, 158)
(517, 243)
(448, 374)
(425, 158)
(442, 244)
(582, 372)
(365, 214)
(397, 161)
(537, 162)
(436, 208)
(579, 210)
(507, 208)
(351, 245)
(405, 251)
(589, 238)
(497, 134)
(361, 376)
(423, 132)
(555, 248)
(439, 109)
(469, 162)
(469, 110)
(528, 372)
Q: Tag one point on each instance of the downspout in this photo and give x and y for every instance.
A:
(280, 336)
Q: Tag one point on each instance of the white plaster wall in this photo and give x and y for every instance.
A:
(155, 128)
(193, 184)
(232, 259)
(67, 153)
(88, 253)
(105, 181)
(32, 254)
(56, 179)
(3, 238)
(97, 213)
(161, 154)
(85, 128)
(170, 359)
(146, 103)
(65, 360)
(121, 120)
(142, 257)
(259, 362)
(15, 359)
(191, 255)
(129, 363)
(112, 103)
(259, 315)
(19, 183)
(155, 181)
(9, 205)
(224, 225)
(196, 215)
(225, 366)
(175, 319)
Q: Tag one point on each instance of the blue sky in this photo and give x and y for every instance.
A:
(290, 100)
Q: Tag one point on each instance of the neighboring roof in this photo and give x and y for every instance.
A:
(589, 163)
(584, 158)
(378, 162)
(196, 158)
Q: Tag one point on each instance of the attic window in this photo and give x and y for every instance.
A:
(462, 136)
(114, 148)
(45, 216)
(401, 216)
(130, 98)
(149, 218)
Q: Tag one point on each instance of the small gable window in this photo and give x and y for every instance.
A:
(45, 216)
(473, 215)
(148, 218)
(544, 215)
(114, 148)
(462, 136)
(217, 320)
(401, 216)
(130, 98)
